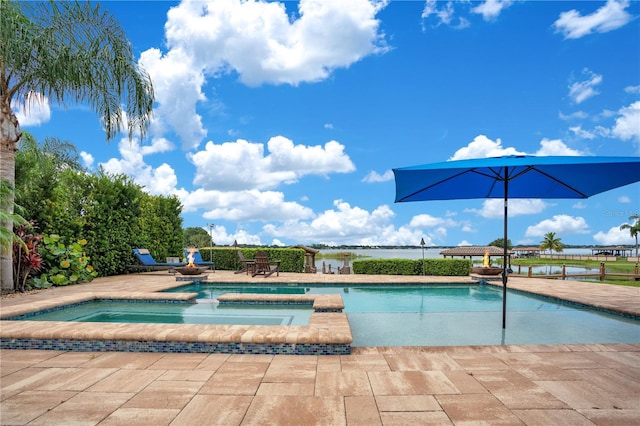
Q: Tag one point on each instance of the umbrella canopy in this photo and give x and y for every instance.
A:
(515, 177)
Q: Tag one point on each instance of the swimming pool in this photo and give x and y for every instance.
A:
(449, 315)
(205, 312)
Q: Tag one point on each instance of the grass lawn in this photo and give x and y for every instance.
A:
(621, 266)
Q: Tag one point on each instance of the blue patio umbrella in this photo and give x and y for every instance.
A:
(515, 177)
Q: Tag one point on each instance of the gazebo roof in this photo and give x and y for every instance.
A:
(474, 251)
(307, 249)
(612, 248)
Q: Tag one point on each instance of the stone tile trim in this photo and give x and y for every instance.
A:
(320, 302)
(175, 347)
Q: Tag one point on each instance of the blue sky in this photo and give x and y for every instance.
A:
(280, 122)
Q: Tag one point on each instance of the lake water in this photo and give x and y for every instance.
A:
(429, 253)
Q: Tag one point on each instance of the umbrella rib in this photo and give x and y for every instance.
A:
(496, 176)
(582, 194)
(525, 170)
(432, 185)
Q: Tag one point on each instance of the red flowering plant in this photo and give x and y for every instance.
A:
(26, 257)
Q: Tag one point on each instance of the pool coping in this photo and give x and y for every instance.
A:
(328, 331)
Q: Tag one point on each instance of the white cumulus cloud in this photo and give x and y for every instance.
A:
(612, 15)
(373, 176)
(490, 9)
(345, 223)
(177, 83)
(580, 91)
(451, 13)
(613, 237)
(224, 166)
(161, 180)
(627, 126)
(34, 111)
(494, 208)
(244, 206)
(633, 89)
(445, 14)
(560, 224)
(428, 221)
(87, 159)
(258, 41)
(549, 147)
(482, 147)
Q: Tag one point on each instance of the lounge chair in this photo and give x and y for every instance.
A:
(148, 263)
(248, 265)
(264, 266)
(197, 258)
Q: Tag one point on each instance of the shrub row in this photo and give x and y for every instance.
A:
(226, 258)
(437, 267)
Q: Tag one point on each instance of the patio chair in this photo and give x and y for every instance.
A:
(248, 265)
(264, 266)
(197, 258)
(148, 263)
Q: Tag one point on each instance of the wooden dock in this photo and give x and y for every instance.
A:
(601, 275)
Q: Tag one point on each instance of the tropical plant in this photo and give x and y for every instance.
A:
(26, 258)
(67, 264)
(634, 228)
(40, 169)
(111, 211)
(551, 243)
(63, 51)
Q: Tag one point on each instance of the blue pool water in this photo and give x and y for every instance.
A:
(179, 313)
(446, 315)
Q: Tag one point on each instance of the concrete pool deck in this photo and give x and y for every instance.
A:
(528, 384)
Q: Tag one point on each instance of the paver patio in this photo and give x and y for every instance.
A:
(527, 384)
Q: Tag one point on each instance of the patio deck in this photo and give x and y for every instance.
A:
(529, 384)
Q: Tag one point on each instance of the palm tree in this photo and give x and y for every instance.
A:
(551, 243)
(7, 237)
(634, 228)
(61, 51)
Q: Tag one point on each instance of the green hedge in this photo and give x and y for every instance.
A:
(226, 258)
(437, 267)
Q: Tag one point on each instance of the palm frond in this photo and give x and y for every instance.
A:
(74, 51)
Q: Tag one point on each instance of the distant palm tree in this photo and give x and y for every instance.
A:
(634, 228)
(64, 51)
(551, 243)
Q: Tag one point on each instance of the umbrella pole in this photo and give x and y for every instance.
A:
(504, 252)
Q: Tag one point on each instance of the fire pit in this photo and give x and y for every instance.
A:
(191, 270)
(486, 270)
